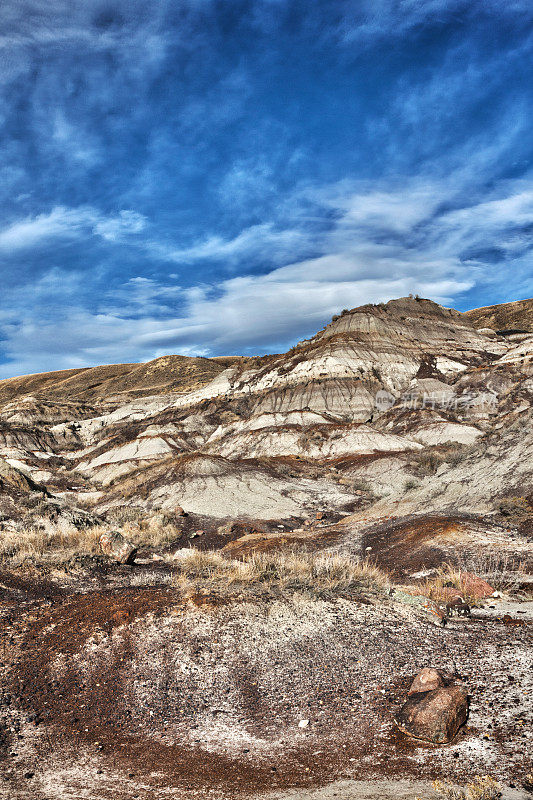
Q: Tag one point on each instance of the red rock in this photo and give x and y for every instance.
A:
(475, 586)
(426, 680)
(434, 716)
(114, 544)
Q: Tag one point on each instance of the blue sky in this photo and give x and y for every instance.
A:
(213, 177)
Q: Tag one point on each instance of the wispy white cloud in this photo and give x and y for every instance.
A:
(366, 21)
(381, 244)
(255, 241)
(68, 223)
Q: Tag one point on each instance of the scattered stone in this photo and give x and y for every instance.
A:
(114, 544)
(434, 716)
(194, 534)
(426, 680)
(303, 723)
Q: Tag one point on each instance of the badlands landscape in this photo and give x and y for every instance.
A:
(220, 577)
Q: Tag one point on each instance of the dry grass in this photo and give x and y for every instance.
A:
(447, 577)
(59, 544)
(483, 787)
(58, 547)
(426, 462)
(144, 528)
(502, 570)
(319, 574)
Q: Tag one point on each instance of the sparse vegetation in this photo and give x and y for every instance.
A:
(483, 787)
(60, 543)
(457, 455)
(151, 529)
(356, 484)
(321, 574)
(410, 484)
(502, 570)
(447, 577)
(59, 547)
(426, 462)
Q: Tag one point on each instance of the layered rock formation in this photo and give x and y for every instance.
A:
(285, 436)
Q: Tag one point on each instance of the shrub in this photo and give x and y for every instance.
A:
(410, 484)
(427, 462)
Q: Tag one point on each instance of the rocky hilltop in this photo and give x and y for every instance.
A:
(221, 575)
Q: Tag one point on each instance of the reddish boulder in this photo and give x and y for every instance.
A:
(475, 587)
(116, 545)
(434, 716)
(426, 680)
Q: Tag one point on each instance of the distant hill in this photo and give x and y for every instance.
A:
(163, 375)
(505, 317)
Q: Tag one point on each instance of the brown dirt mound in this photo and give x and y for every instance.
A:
(407, 546)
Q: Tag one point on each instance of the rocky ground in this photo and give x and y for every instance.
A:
(399, 437)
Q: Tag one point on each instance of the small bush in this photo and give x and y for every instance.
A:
(357, 484)
(427, 462)
(410, 484)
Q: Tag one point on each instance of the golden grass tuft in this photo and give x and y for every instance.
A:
(57, 547)
(483, 787)
(503, 571)
(285, 572)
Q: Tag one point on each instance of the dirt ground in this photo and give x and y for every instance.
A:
(115, 691)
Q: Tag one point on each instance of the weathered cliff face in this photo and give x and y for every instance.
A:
(397, 378)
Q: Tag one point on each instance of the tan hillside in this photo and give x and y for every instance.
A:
(165, 374)
(516, 316)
